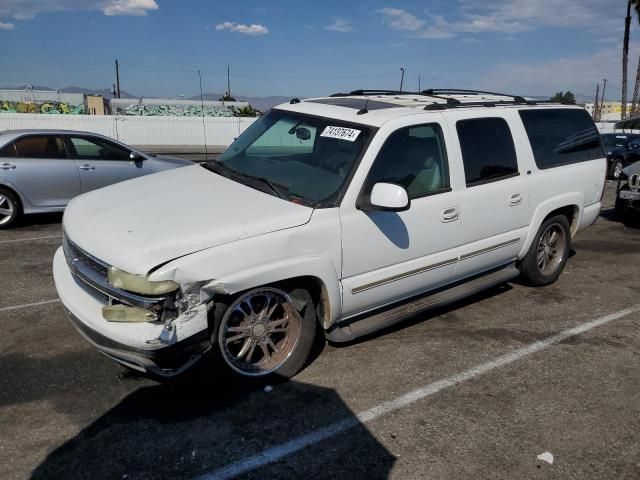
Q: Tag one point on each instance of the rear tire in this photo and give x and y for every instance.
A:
(266, 334)
(10, 208)
(548, 253)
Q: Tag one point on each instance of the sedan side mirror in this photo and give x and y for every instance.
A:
(135, 156)
(387, 197)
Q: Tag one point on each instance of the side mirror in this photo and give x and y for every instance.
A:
(387, 197)
(135, 156)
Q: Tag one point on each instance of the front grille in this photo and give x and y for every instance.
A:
(74, 252)
(91, 275)
(634, 182)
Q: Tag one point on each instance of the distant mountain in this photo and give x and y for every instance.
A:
(105, 92)
(261, 103)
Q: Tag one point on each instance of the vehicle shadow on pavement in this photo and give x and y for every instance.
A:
(203, 424)
(39, 219)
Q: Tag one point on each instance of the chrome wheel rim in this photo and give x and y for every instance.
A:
(617, 170)
(6, 209)
(551, 249)
(259, 332)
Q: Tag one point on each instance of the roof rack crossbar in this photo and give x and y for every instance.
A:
(445, 91)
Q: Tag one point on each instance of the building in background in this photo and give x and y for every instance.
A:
(610, 110)
(55, 102)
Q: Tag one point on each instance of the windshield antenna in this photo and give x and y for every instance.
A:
(364, 109)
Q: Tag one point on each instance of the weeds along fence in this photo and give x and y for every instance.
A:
(157, 132)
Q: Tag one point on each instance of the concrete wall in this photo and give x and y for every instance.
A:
(163, 133)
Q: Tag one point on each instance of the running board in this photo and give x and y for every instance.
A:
(351, 329)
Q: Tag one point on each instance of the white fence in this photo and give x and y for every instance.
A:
(156, 131)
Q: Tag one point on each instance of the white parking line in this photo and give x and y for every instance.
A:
(27, 305)
(294, 445)
(16, 240)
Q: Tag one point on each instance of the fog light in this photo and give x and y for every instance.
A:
(122, 313)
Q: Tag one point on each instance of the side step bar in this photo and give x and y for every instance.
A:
(351, 329)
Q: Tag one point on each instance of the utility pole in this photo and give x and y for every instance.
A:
(401, 78)
(228, 83)
(625, 59)
(204, 127)
(419, 87)
(117, 79)
(595, 104)
(604, 87)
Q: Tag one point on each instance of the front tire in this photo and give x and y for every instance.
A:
(268, 332)
(616, 169)
(548, 253)
(10, 208)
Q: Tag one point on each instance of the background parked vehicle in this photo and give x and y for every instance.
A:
(41, 170)
(628, 193)
(622, 149)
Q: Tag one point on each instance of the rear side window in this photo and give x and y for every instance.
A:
(8, 151)
(41, 146)
(488, 152)
(561, 136)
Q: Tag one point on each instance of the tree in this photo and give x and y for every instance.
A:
(566, 98)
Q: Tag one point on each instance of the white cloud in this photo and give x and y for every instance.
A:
(7, 26)
(28, 9)
(252, 29)
(340, 25)
(129, 7)
(507, 16)
(578, 74)
(399, 19)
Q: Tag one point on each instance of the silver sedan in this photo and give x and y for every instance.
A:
(41, 170)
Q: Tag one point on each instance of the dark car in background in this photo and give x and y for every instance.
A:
(628, 193)
(622, 149)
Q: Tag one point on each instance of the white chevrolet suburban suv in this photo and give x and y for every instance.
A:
(331, 217)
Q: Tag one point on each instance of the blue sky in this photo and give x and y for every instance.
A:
(306, 47)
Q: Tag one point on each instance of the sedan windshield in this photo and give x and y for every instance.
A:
(301, 158)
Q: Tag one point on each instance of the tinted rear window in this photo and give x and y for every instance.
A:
(561, 136)
(8, 151)
(41, 146)
(488, 152)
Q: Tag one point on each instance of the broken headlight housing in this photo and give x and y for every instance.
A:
(139, 284)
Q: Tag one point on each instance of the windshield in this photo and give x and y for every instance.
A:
(615, 141)
(298, 157)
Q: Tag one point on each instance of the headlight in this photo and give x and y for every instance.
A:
(138, 283)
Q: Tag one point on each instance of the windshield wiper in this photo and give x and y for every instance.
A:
(220, 168)
(275, 187)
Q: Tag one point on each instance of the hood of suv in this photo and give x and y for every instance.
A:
(142, 223)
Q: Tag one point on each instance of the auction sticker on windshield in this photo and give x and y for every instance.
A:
(342, 133)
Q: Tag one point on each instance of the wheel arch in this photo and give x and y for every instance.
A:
(568, 205)
(7, 186)
(315, 274)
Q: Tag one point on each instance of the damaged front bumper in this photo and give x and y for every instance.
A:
(147, 347)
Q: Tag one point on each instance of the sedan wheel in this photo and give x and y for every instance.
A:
(8, 209)
(259, 332)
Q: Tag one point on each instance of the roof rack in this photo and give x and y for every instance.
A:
(361, 92)
(450, 101)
